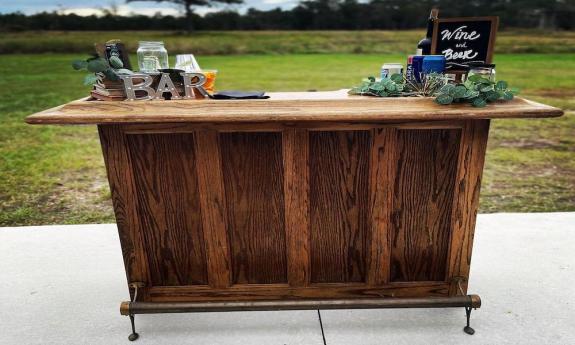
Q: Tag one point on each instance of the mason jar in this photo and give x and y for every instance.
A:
(152, 56)
(483, 69)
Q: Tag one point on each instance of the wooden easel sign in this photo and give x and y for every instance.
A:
(465, 40)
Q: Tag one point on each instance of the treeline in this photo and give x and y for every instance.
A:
(316, 15)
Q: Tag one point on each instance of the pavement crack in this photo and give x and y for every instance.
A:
(321, 326)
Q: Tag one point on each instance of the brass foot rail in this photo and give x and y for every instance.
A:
(468, 302)
(127, 308)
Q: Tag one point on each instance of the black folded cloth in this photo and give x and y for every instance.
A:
(240, 95)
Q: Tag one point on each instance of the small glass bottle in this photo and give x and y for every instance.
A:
(152, 56)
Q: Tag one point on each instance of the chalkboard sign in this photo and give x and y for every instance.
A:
(464, 40)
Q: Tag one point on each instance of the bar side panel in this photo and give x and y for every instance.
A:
(422, 205)
(124, 200)
(466, 201)
(168, 206)
(253, 179)
(339, 182)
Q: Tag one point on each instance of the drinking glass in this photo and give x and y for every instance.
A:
(210, 75)
(187, 62)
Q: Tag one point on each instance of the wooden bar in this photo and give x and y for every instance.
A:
(304, 200)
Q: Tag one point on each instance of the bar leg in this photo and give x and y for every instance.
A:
(134, 335)
(467, 329)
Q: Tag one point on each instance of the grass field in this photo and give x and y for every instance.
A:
(55, 174)
(275, 42)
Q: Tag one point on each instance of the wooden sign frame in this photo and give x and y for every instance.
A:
(492, 33)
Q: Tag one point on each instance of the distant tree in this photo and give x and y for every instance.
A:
(112, 10)
(188, 6)
(547, 11)
(307, 15)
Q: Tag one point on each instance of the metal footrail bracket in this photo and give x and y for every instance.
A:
(467, 329)
(135, 286)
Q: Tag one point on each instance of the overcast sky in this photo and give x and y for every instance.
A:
(87, 7)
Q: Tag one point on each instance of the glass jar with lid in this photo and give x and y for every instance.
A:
(486, 70)
(152, 56)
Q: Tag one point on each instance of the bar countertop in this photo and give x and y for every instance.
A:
(284, 107)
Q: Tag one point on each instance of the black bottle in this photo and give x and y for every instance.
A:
(424, 46)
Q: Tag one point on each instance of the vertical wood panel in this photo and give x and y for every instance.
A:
(167, 191)
(213, 205)
(423, 200)
(124, 200)
(253, 179)
(382, 170)
(296, 191)
(339, 194)
(466, 199)
(379, 206)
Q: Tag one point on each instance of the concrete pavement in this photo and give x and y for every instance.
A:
(63, 285)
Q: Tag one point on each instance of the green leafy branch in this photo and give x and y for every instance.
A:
(95, 64)
(476, 90)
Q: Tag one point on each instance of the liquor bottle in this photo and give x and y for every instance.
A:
(424, 46)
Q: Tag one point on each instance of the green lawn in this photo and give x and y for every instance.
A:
(275, 42)
(55, 174)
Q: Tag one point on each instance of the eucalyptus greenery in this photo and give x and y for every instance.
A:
(95, 64)
(476, 90)
(387, 87)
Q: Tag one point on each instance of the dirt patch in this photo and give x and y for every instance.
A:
(555, 93)
(526, 172)
(77, 192)
(528, 143)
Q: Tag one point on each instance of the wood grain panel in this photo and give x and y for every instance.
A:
(466, 200)
(296, 191)
(188, 127)
(169, 208)
(423, 196)
(286, 107)
(214, 214)
(284, 292)
(253, 179)
(382, 170)
(121, 179)
(339, 194)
